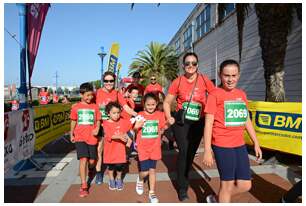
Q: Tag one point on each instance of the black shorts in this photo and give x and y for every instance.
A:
(85, 150)
(117, 167)
(100, 133)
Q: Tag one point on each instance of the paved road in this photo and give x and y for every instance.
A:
(59, 180)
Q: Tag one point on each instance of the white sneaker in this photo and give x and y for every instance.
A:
(153, 198)
(139, 186)
(211, 199)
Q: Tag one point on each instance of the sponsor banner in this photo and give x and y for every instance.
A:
(50, 122)
(278, 126)
(19, 137)
(36, 15)
(113, 57)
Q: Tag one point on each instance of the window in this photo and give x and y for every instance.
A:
(226, 10)
(187, 38)
(203, 22)
(177, 47)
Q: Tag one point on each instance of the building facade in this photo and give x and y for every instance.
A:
(214, 38)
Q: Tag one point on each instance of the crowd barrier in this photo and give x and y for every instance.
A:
(50, 122)
(19, 137)
(278, 126)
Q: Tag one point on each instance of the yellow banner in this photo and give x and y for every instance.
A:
(50, 122)
(278, 126)
(113, 57)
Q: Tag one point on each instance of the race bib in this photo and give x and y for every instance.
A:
(138, 99)
(194, 110)
(86, 116)
(150, 129)
(104, 116)
(235, 113)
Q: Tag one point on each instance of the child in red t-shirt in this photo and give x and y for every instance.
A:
(149, 143)
(115, 142)
(226, 118)
(130, 100)
(85, 123)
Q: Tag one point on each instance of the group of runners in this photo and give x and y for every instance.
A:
(104, 124)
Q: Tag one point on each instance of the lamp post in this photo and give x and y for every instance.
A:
(23, 81)
(102, 54)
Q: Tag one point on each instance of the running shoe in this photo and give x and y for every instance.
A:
(112, 185)
(139, 186)
(211, 199)
(119, 184)
(83, 191)
(152, 197)
(99, 178)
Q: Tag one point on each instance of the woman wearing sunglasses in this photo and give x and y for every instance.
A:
(189, 90)
(107, 94)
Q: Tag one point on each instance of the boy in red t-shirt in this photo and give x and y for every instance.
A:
(149, 144)
(85, 123)
(130, 100)
(115, 142)
(226, 118)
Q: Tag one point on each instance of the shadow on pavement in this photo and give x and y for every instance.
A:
(32, 187)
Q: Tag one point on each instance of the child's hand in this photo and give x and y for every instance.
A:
(139, 124)
(208, 159)
(258, 152)
(171, 121)
(95, 131)
(129, 142)
(72, 139)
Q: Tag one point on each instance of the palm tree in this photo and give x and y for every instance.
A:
(274, 24)
(158, 59)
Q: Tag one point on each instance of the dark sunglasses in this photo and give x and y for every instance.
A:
(108, 81)
(153, 79)
(190, 63)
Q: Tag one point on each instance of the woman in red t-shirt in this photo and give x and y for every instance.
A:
(189, 90)
(105, 95)
(226, 118)
(149, 143)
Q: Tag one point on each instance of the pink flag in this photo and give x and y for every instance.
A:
(36, 14)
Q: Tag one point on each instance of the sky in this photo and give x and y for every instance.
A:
(73, 34)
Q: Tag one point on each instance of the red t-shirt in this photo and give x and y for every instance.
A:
(148, 137)
(104, 97)
(230, 111)
(155, 88)
(181, 88)
(43, 97)
(55, 98)
(131, 104)
(138, 102)
(86, 116)
(114, 150)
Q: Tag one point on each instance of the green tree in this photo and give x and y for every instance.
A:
(96, 84)
(274, 25)
(158, 59)
(50, 90)
(66, 90)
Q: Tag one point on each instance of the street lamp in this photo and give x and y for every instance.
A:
(102, 55)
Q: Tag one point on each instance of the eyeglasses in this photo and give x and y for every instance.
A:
(108, 81)
(190, 63)
(153, 79)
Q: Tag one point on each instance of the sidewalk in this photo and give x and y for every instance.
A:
(60, 182)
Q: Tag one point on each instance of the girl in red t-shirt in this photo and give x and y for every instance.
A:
(226, 118)
(115, 142)
(149, 143)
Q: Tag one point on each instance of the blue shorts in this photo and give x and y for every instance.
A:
(147, 164)
(232, 163)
